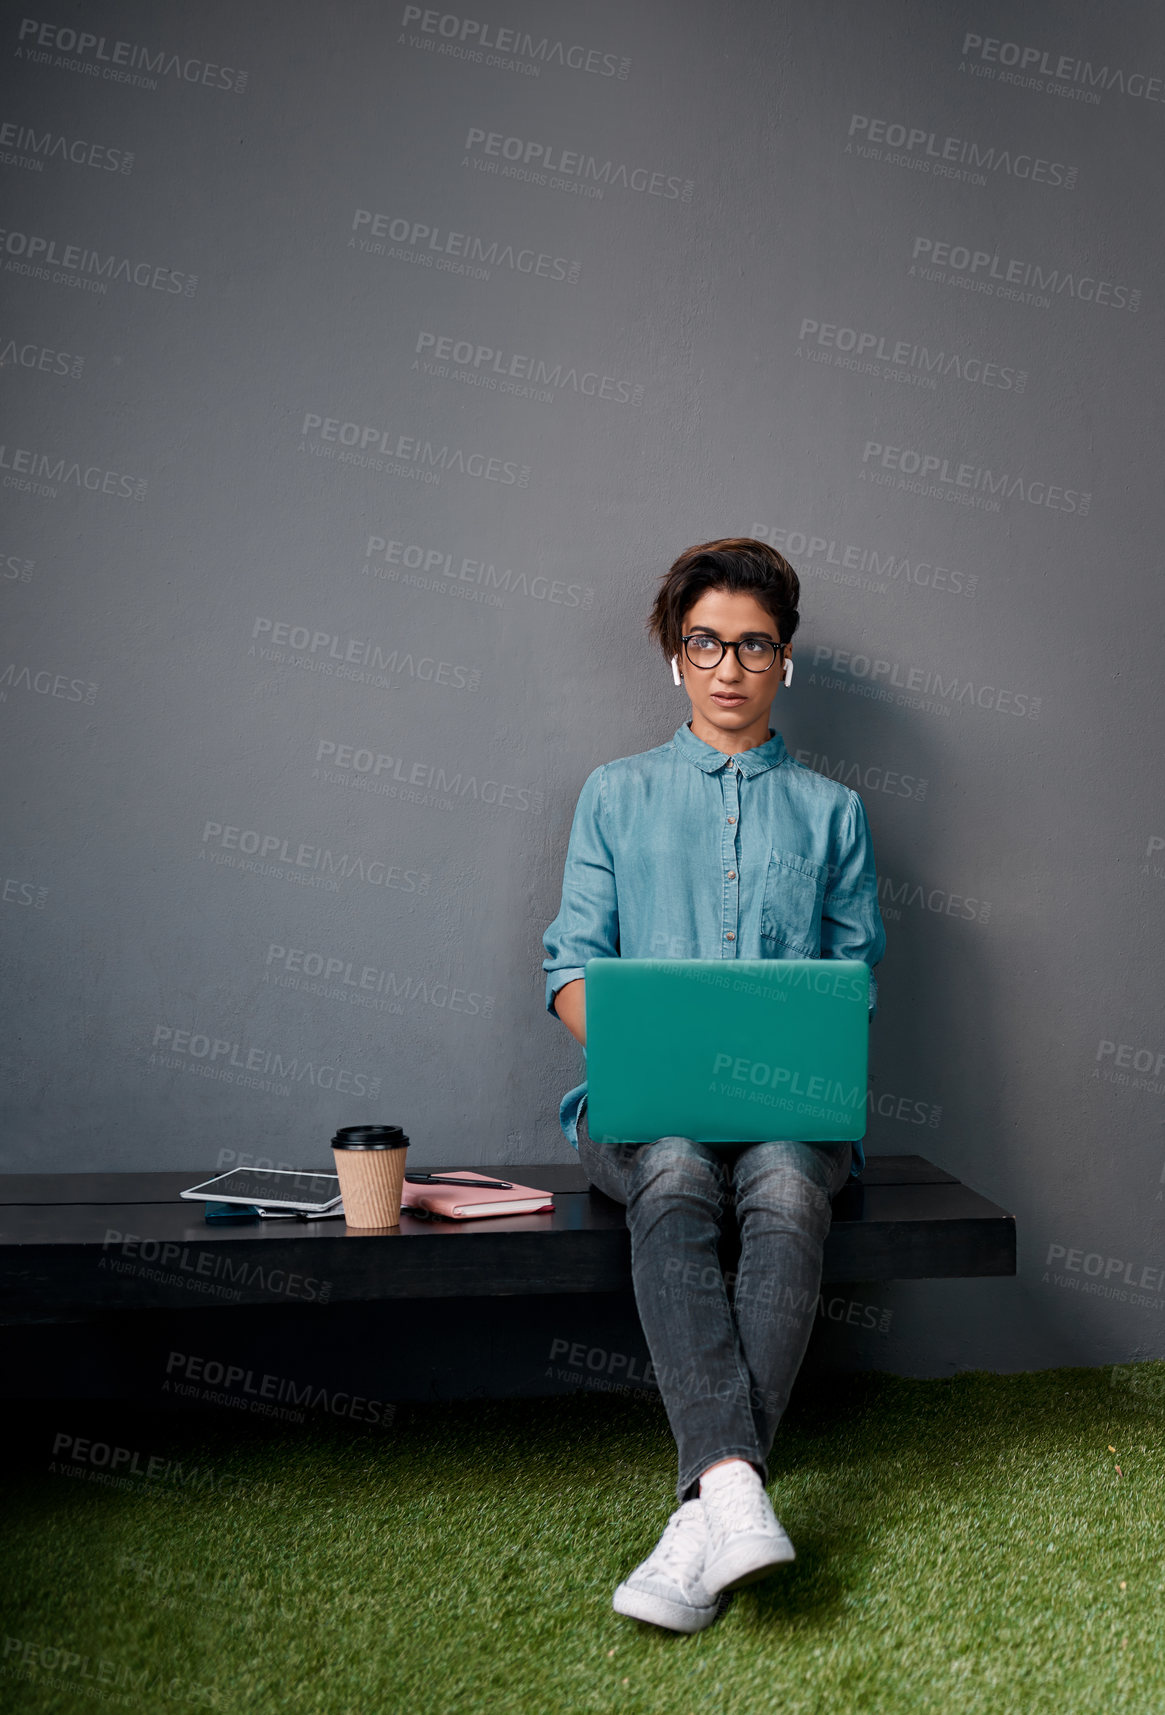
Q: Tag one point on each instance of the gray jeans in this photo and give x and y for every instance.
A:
(725, 1351)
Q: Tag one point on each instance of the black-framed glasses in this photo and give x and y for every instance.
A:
(755, 654)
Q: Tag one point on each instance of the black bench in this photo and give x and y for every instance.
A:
(104, 1277)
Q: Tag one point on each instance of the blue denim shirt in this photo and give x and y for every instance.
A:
(682, 852)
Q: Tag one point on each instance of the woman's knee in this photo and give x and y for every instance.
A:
(675, 1169)
(792, 1188)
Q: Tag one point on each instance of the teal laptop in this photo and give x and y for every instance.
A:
(727, 1051)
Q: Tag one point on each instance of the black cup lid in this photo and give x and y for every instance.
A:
(370, 1137)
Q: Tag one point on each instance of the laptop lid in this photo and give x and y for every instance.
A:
(727, 1051)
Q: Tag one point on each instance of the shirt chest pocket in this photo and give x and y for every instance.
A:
(791, 905)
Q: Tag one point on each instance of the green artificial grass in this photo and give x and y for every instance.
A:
(964, 1545)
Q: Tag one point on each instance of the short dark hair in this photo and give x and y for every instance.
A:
(737, 564)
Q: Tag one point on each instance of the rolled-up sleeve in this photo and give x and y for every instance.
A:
(587, 925)
(851, 921)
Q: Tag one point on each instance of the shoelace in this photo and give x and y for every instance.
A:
(739, 1507)
(674, 1550)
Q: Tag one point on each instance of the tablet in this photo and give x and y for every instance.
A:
(272, 1187)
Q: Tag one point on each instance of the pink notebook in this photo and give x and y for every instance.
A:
(460, 1203)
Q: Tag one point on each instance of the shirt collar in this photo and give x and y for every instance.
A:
(768, 755)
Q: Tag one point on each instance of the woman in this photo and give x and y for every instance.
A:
(716, 845)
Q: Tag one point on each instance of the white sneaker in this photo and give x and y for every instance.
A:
(746, 1540)
(667, 1589)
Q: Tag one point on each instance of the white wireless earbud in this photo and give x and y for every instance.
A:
(675, 671)
(788, 670)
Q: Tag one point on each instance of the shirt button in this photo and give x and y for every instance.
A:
(732, 818)
(732, 875)
(730, 936)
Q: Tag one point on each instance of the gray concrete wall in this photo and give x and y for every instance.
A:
(314, 624)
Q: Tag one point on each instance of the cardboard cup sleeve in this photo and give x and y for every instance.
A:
(371, 1183)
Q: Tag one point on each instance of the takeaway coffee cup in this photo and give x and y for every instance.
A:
(370, 1165)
